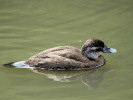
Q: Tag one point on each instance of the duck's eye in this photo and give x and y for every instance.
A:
(96, 49)
(99, 49)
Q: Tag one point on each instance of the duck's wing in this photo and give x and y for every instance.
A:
(62, 58)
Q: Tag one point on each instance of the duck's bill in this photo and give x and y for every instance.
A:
(109, 50)
(113, 50)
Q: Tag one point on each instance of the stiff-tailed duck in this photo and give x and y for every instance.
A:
(71, 58)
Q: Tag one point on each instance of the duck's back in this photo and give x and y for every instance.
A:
(61, 58)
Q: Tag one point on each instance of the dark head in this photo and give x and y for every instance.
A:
(93, 48)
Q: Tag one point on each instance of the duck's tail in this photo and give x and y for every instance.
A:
(19, 64)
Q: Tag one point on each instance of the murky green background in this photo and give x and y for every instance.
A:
(30, 26)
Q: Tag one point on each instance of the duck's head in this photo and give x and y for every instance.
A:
(93, 48)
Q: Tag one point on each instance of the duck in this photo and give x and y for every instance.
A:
(71, 58)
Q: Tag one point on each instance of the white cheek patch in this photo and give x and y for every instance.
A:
(113, 50)
(94, 48)
(94, 55)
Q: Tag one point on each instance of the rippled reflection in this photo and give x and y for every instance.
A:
(89, 78)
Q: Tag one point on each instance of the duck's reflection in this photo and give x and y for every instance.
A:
(90, 78)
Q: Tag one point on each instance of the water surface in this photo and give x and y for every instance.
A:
(30, 26)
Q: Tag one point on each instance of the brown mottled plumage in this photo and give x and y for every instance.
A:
(70, 58)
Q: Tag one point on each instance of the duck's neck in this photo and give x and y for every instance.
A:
(97, 62)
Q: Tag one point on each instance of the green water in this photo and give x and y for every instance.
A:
(30, 26)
